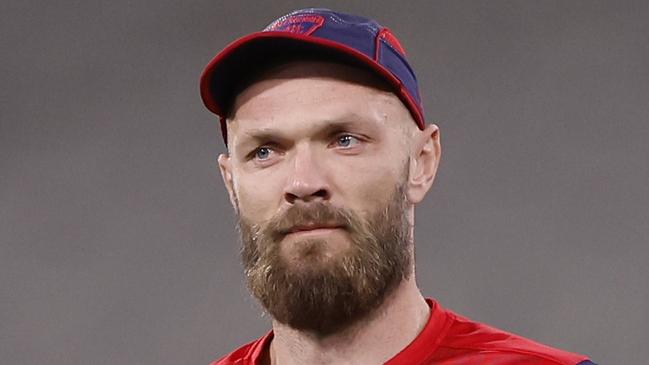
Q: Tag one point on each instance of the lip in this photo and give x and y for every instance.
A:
(314, 231)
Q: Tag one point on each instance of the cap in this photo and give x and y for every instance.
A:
(312, 32)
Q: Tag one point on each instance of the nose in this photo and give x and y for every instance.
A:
(307, 181)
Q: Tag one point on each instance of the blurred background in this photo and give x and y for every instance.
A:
(117, 241)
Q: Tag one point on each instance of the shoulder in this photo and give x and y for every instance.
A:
(483, 343)
(236, 357)
(248, 354)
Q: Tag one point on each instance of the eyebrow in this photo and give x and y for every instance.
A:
(325, 128)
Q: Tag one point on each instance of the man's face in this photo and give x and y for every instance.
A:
(317, 172)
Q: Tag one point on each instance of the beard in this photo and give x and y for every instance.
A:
(323, 294)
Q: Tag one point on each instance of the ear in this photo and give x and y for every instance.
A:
(226, 173)
(424, 163)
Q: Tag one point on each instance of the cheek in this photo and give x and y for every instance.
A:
(367, 187)
(258, 197)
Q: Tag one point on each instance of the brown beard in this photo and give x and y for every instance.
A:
(324, 298)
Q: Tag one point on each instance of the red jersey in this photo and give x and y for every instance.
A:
(447, 339)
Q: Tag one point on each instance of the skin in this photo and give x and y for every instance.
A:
(312, 131)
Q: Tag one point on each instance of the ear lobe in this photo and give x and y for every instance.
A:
(226, 173)
(423, 166)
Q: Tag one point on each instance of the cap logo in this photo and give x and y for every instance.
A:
(300, 24)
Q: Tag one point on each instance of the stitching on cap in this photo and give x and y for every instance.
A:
(369, 27)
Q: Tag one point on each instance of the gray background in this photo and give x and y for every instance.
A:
(117, 240)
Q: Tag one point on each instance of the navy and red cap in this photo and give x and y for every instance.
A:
(312, 32)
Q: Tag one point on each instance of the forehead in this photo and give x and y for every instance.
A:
(314, 92)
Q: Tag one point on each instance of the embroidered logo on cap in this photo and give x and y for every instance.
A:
(300, 24)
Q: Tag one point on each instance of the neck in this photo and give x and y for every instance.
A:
(388, 330)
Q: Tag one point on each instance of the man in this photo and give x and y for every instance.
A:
(328, 154)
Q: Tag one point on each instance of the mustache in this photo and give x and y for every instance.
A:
(309, 214)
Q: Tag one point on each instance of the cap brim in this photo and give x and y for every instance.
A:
(239, 58)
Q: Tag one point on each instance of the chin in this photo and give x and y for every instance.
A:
(310, 255)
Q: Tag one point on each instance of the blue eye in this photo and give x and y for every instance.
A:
(262, 153)
(347, 141)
